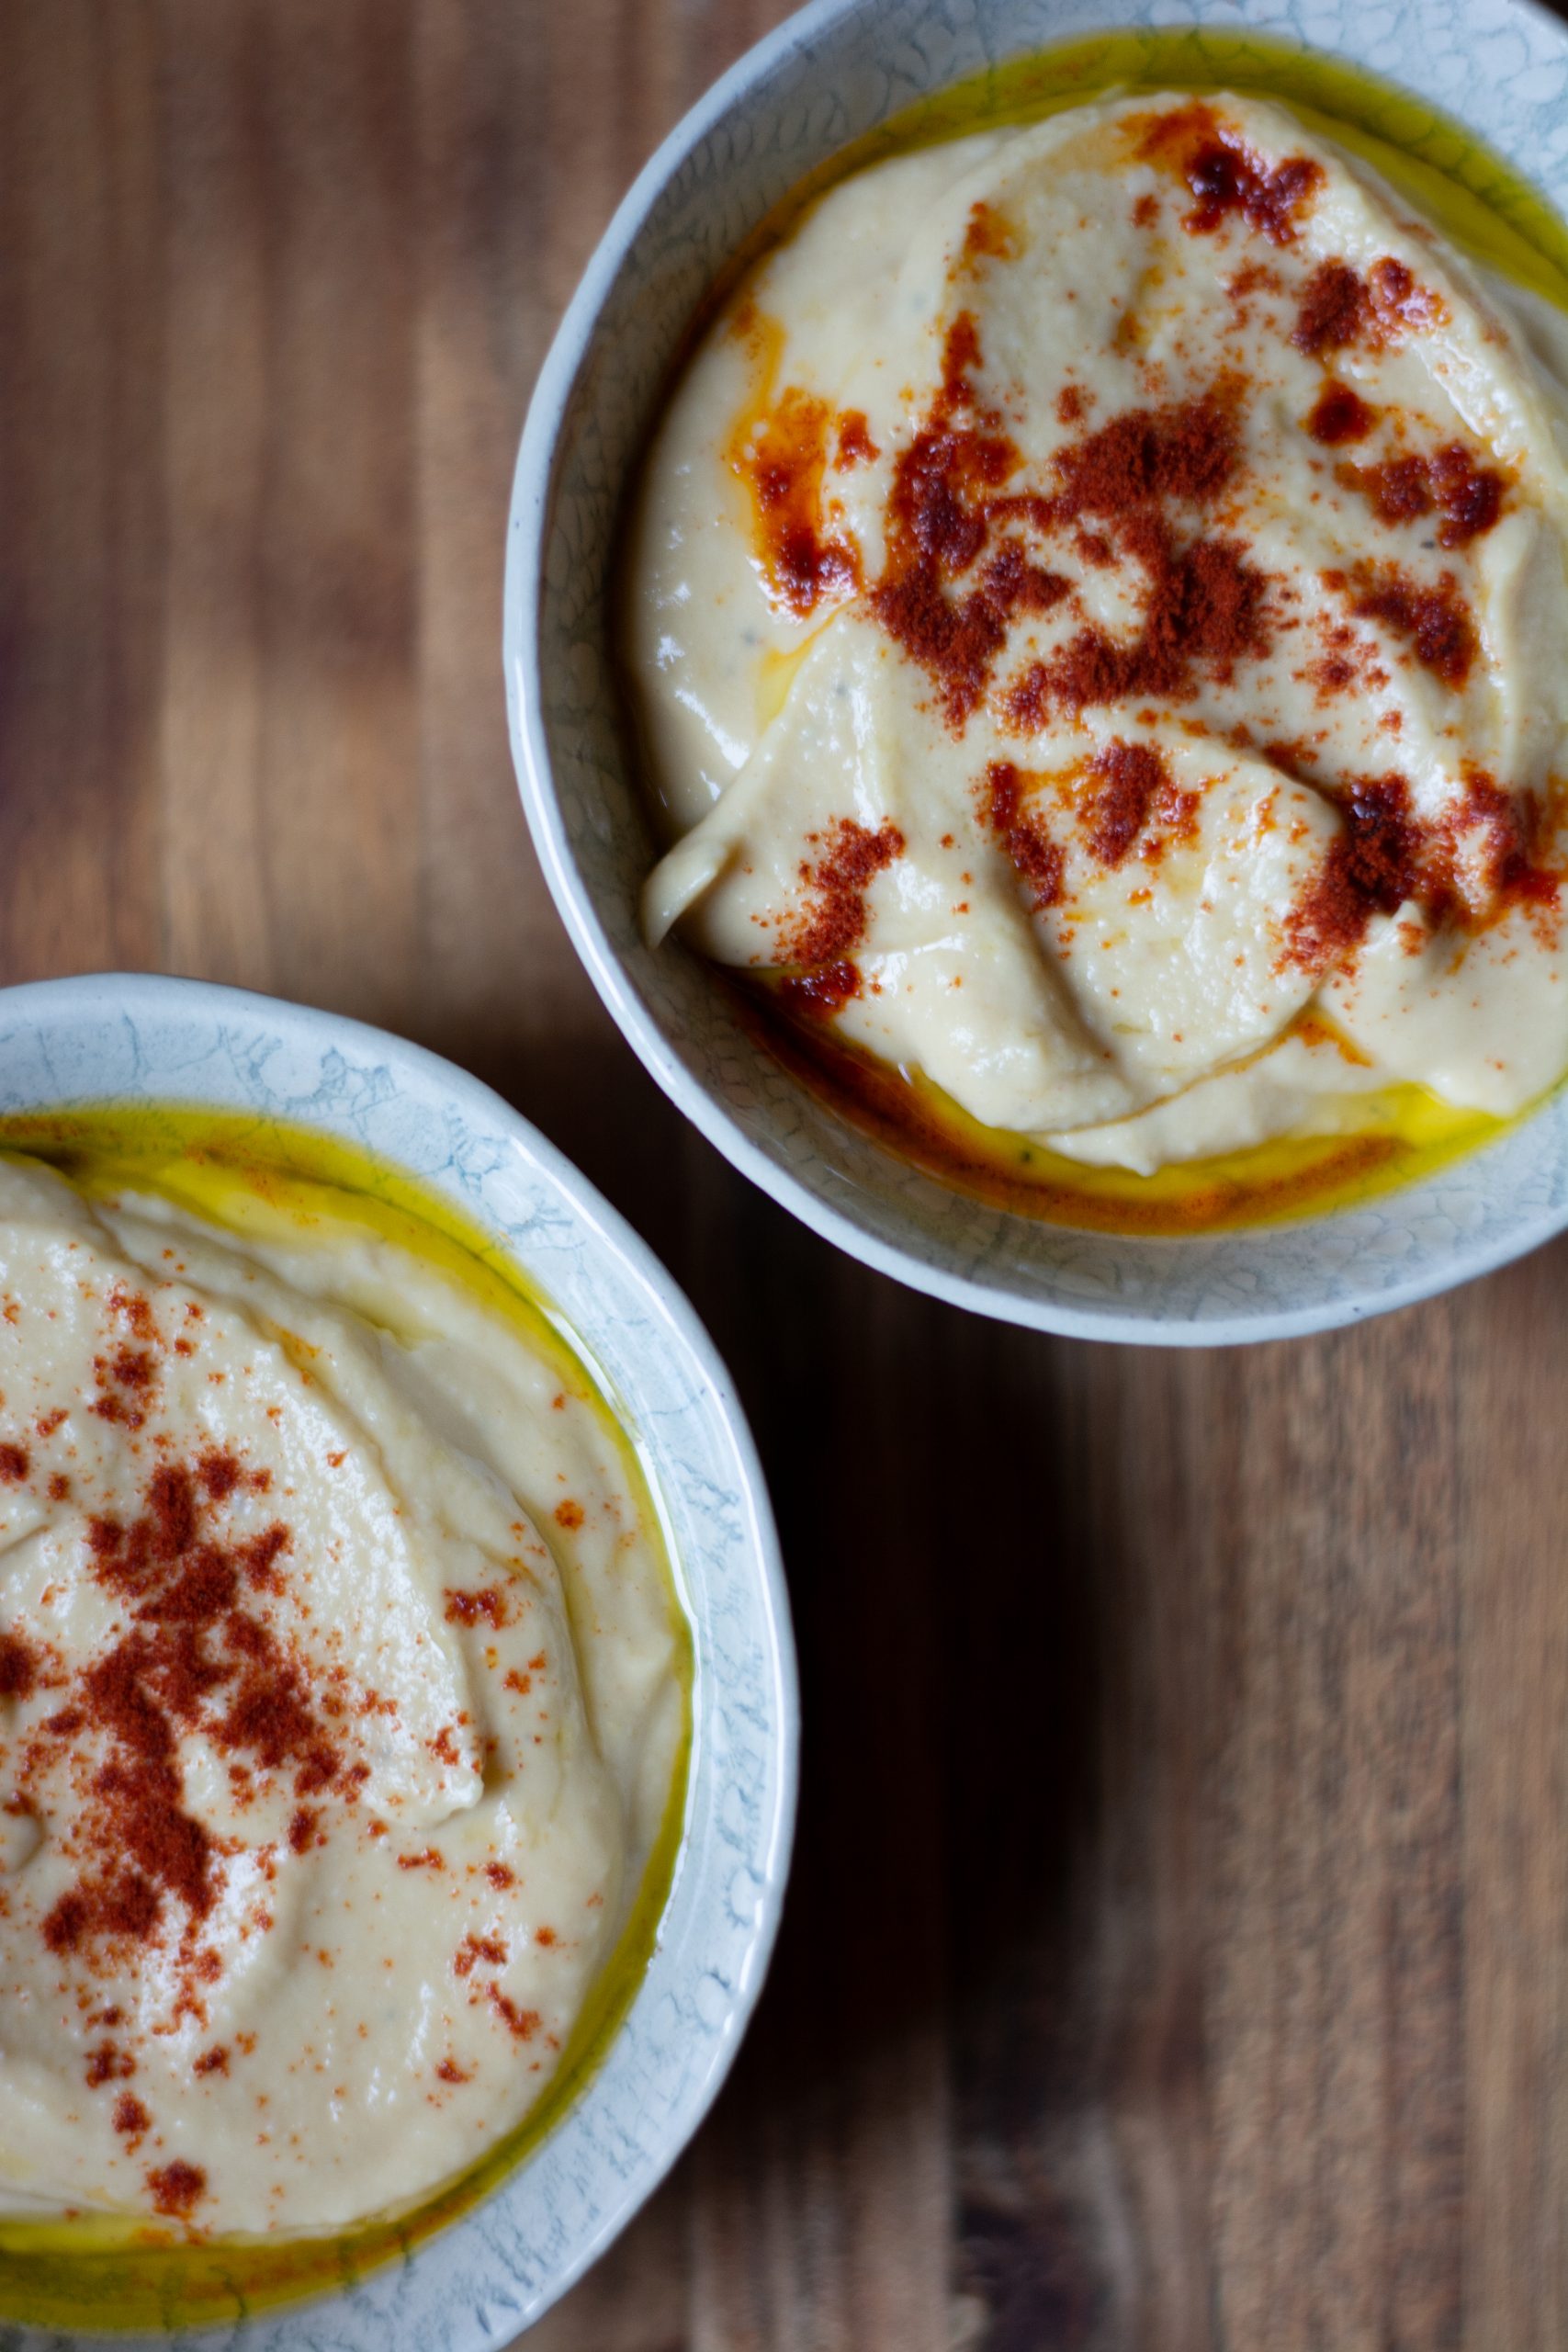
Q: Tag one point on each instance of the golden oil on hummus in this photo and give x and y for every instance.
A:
(341, 1705)
(1095, 614)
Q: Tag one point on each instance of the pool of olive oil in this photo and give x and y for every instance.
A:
(1490, 212)
(275, 1181)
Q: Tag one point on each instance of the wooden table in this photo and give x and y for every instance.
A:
(1178, 1937)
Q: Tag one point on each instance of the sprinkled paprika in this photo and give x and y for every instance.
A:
(834, 920)
(944, 501)
(1224, 175)
(1022, 834)
(192, 1652)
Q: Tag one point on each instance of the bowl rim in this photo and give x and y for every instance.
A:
(527, 548)
(206, 1003)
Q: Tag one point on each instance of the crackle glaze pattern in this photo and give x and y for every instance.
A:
(471, 2287)
(838, 70)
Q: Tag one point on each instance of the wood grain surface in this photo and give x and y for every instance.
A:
(1176, 1951)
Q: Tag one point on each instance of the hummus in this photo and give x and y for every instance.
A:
(342, 1698)
(1096, 611)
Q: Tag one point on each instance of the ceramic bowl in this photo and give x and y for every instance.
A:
(831, 74)
(474, 2284)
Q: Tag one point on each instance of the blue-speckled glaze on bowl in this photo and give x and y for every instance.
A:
(126, 1040)
(831, 74)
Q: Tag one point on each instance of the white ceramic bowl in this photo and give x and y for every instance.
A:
(836, 71)
(120, 1039)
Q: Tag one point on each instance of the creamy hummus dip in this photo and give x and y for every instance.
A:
(1097, 618)
(341, 1702)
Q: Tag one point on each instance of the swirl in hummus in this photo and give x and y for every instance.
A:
(342, 1706)
(1096, 613)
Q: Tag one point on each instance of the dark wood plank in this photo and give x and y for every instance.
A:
(1176, 1957)
(80, 579)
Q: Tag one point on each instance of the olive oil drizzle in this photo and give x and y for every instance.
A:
(271, 1181)
(1493, 215)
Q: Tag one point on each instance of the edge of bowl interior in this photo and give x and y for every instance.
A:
(839, 68)
(472, 2286)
